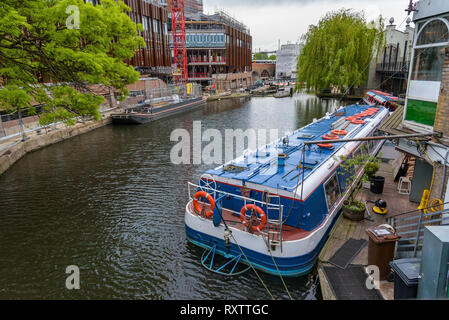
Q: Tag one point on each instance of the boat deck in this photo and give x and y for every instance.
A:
(257, 168)
(288, 233)
(344, 229)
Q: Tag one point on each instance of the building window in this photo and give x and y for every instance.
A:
(146, 23)
(332, 191)
(435, 31)
(431, 39)
(428, 59)
(428, 64)
(156, 26)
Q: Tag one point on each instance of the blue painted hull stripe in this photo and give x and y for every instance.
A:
(293, 267)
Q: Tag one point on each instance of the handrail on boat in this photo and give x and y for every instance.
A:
(264, 204)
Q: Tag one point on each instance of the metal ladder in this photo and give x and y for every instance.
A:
(274, 226)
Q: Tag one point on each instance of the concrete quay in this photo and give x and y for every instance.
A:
(13, 149)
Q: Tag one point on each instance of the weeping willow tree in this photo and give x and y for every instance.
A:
(337, 52)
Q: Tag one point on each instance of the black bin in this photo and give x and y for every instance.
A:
(377, 184)
(406, 277)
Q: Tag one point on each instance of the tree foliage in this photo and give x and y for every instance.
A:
(260, 56)
(263, 56)
(40, 41)
(338, 51)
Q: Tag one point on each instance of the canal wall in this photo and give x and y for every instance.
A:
(13, 149)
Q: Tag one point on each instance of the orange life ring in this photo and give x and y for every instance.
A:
(325, 145)
(263, 216)
(330, 137)
(339, 132)
(358, 122)
(209, 198)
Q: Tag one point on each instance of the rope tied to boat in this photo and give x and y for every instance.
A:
(252, 221)
(252, 267)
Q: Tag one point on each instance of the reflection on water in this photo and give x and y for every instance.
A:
(111, 202)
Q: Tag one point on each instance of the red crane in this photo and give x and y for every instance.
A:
(179, 41)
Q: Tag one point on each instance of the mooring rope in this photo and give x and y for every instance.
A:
(280, 275)
(252, 267)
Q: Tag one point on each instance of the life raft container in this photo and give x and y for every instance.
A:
(196, 205)
(263, 217)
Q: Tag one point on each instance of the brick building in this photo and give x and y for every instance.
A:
(155, 58)
(426, 108)
(389, 68)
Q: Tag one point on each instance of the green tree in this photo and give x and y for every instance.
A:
(260, 56)
(338, 51)
(71, 45)
(272, 57)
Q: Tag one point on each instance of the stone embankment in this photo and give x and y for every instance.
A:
(12, 149)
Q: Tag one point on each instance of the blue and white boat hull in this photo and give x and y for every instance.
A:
(296, 258)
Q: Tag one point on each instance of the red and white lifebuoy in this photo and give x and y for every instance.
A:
(330, 137)
(263, 216)
(339, 132)
(325, 145)
(357, 121)
(203, 194)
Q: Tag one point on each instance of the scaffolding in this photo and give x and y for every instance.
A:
(180, 74)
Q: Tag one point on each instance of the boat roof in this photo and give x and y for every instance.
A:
(260, 167)
(381, 97)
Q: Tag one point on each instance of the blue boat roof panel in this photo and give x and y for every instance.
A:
(260, 167)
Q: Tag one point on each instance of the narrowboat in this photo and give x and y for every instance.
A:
(149, 111)
(272, 209)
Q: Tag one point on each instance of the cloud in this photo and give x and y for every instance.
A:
(285, 20)
(258, 3)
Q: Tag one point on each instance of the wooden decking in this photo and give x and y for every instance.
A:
(345, 229)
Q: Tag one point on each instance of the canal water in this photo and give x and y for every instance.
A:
(112, 203)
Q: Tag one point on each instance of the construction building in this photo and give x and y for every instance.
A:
(155, 58)
(193, 9)
(287, 61)
(218, 51)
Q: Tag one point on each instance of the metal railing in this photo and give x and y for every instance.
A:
(393, 67)
(410, 227)
(194, 59)
(273, 227)
(199, 75)
(163, 94)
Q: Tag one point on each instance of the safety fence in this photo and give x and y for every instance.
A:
(410, 227)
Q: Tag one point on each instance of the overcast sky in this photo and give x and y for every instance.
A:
(285, 20)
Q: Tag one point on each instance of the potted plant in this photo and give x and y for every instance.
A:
(371, 169)
(352, 208)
